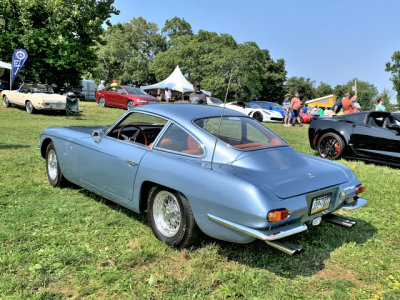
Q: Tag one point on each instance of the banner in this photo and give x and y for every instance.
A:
(18, 59)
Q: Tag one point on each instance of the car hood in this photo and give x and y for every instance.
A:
(287, 173)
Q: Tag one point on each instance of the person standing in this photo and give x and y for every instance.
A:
(295, 105)
(101, 86)
(337, 107)
(348, 105)
(197, 97)
(167, 95)
(357, 105)
(114, 84)
(286, 106)
(380, 106)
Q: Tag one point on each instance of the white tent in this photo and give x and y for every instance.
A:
(176, 82)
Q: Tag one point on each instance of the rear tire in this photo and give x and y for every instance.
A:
(171, 218)
(30, 109)
(54, 173)
(258, 116)
(330, 146)
(6, 103)
(102, 102)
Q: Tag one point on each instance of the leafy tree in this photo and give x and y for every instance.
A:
(126, 51)
(304, 86)
(208, 57)
(58, 35)
(366, 93)
(323, 89)
(394, 68)
(176, 27)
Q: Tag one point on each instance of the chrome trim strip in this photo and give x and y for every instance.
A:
(356, 204)
(284, 231)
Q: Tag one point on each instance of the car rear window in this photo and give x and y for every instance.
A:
(240, 132)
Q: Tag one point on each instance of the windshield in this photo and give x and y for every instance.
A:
(240, 132)
(252, 105)
(216, 100)
(276, 106)
(134, 91)
(37, 88)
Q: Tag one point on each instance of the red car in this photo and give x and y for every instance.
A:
(124, 97)
(306, 117)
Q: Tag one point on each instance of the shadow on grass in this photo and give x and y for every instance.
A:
(318, 244)
(5, 147)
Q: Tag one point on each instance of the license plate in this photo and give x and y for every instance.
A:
(320, 203)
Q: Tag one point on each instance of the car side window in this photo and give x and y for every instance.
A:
(178, 140)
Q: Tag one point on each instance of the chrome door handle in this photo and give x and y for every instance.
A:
(132, 163)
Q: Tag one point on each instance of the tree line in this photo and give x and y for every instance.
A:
(70, 39)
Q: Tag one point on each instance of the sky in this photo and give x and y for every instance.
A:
(327, 41)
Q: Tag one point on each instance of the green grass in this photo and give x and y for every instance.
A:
(70, 243)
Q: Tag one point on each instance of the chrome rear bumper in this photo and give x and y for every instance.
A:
(267, 235)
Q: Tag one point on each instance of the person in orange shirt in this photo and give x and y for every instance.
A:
(348, 105)
(295, 105)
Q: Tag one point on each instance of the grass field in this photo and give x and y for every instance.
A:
(70, 243)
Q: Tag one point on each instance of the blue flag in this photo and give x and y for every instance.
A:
(18, 59)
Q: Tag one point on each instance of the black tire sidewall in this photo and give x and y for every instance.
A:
(338, 139)
(177, 240)
(128, 106)
(30, 110)
(258, 116)
(58, 180)
(6, 103)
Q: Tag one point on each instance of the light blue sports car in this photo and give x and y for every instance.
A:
(196, 168)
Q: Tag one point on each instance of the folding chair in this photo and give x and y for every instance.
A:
(72, 106)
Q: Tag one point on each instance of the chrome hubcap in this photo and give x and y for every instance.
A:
(102, 102)
(167, 213)
(52, 165)
(5, 101)
(28, 107)
(131, 104)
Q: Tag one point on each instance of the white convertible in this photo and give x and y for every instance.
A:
(255, 111)
(34, 96)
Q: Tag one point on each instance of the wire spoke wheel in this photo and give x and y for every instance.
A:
(167, 213)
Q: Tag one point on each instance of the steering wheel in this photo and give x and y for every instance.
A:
(132, 138)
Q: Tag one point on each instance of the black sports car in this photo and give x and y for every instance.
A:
(372, 136)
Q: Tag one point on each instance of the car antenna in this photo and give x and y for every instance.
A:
(220, 120)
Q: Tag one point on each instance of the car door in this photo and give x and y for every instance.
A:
(373, 141)
(110, 95)
(110, 165)
(121, 97)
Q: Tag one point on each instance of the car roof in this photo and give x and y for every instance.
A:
(185, 113)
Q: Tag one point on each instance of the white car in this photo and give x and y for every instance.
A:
(34, 96)
(255, 111)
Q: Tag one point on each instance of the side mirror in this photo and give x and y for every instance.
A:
(97, 135)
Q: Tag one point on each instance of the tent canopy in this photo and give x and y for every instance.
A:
(176, 81)
(5, 65)
(326, 101)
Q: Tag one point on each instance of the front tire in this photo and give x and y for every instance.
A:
(102, 102)
(330, 146)
(54, 174)
(30, 109)
(6, 103)
(171, 218)
(130, 105)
